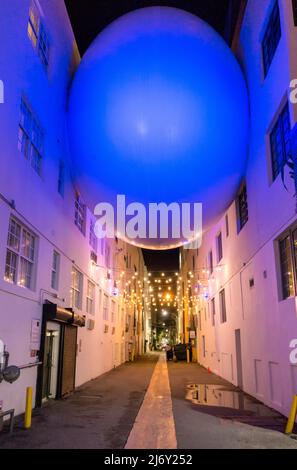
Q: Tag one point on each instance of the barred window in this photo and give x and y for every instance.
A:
(280, 143)
(271, 37)
(20, 255)
(30, 138)
(37, 33)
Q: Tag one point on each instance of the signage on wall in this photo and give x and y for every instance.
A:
(35, 337)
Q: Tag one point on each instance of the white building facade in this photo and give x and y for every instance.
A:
(94, 317)
(239, 289)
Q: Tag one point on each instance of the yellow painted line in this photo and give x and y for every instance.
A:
(154, 425)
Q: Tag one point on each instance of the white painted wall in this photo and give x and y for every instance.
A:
(41, 208)
(267, 324)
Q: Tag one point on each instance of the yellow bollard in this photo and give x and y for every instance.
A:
(28, 411)
(292, 417)
(188, 356)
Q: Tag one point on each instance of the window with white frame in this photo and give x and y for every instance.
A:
(20, 255)
(76, 288)
(38, 34)
(92, 236)
(105, 307)
(30, 137)
(80, 214)
(55, 270)
(90, 297)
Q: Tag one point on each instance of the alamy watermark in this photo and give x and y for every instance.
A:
(136, 221)
(293, 353)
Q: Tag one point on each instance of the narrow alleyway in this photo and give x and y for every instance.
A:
(153, 404)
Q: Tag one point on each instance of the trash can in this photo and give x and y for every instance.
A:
(180, 351)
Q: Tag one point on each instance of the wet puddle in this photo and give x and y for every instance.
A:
(233, 404)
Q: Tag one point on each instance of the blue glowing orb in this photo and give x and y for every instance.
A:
(158, 112)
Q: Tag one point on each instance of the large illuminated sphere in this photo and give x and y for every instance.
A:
(158, 112)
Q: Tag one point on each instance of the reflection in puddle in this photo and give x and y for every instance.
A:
(232, 403)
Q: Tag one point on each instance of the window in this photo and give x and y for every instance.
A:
(80, 214)
(271, 37)
(213, 311)
(280, 144)
(92, 236)
(294, 6)
(105, 307)
(223, 306)
(90, 298)
(210, 262)
(219, 247)
(61, 178)
(242, 208)
(287, 261)
(76, 289)
(55, 270)
(113, 313)
(203, 346)
(38, 34)
(227, 225)
(30, 138)
(20, 255)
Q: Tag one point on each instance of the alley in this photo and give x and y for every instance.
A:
(152, 404)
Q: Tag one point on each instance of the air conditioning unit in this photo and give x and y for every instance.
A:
(90, 324)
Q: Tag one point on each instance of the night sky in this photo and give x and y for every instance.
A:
(89, 17)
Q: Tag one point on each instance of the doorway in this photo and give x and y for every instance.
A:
(51, 361)
(238, 359)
